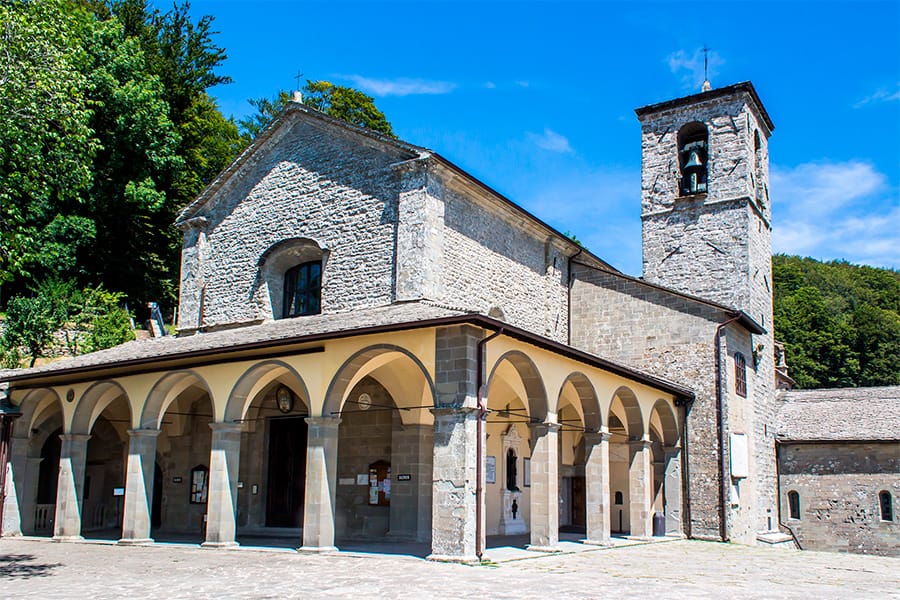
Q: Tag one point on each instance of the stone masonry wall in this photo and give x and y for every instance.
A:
(490, 262)
(838, 484)
(310, 180)
(641, 326)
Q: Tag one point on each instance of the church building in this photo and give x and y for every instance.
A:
(373, 345)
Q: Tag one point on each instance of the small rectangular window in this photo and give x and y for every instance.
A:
(794, 505)
(887, 506)
(740, 375)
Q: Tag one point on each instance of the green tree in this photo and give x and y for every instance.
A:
(840, 322)
(337, 101)
(45, 112)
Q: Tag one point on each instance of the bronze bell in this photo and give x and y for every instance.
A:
(693, 160)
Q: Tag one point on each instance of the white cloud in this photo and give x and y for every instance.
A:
(689, 67)
(881, 95)
(522, 83)
(551, 141)
(402, 86)
(836, 210)
(490, 85)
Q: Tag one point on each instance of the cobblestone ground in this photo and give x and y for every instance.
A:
(682, 569)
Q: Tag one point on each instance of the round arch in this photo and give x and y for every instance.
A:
(94, 401)
(165, 391)
(37, 404)
(590, 403)
(531, 380)
(633, 416)
(354, 369)
(254, 380)
(668, 423)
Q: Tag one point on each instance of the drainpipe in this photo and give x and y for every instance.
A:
(479, 448)
(720, 430)
(685, 473)
(8, 413)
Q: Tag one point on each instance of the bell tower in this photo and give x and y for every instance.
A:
(705, 211)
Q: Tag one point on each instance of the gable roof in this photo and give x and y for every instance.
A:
(748, 322)
(411, 150)
(844, 414)
(286, 337)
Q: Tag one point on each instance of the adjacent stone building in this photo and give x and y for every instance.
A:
(839, 468)
(374, 345)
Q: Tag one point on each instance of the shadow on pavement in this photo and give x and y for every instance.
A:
(20, 565)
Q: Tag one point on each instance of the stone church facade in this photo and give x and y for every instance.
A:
(374, 345)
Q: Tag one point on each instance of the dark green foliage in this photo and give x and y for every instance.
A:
(112, 96)
(86, 320)
(840, 323)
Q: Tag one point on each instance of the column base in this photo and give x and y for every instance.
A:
(544, 549)
(597, 542)
(446, 558)
(219, 545)
(135, 541)
(67, 538)
(317, 549)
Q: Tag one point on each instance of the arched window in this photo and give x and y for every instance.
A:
(303, 290)
(618, 498)
(693, 158)
(794, 505)
(887, 505)
(740, 374)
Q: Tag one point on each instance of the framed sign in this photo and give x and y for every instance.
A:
(526, 471)
(490, 469)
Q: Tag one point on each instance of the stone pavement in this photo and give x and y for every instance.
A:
(679, 569)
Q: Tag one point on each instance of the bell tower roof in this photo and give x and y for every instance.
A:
(729, 90)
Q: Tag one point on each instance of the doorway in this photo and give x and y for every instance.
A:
(579, 503)
(286, 484)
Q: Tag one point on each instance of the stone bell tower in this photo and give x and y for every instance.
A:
(706, 225)
(705, 197)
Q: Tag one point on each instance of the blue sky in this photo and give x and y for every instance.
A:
(536, 99)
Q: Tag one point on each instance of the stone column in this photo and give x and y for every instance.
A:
(412, 451)
(639, 492)
(224, 459)
(321, 484)
(453, 492)
(139, 486)
(596, 474)
(18, 507)
(67, 524)
(545, 488)
(672, 490)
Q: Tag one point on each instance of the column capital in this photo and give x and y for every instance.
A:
(226, 427)
(75, 437)
(544, 427)
(452, 411)
(595, 437)
(323, 422)
(144, 433)
(641, 443)
(671, 450)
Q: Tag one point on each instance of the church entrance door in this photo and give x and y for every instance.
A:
(287, 472)
(579, 502)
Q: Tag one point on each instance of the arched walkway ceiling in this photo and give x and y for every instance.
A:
(379, 361)
(578, 392)
(663, 418)
(38, 405)
(527, 372)
(256, 380)
(629, 409)
(166, 391)
(94, 401)
(504, 386)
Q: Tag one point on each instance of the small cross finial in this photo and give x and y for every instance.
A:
(706, 85)
(298, 76)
